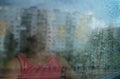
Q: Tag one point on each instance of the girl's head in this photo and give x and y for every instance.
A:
(36, 43)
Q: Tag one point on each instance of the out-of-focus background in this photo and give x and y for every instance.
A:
(85, 32)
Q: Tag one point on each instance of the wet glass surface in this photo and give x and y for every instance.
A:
(85, 32)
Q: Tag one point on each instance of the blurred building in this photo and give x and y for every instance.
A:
(42, 22)
(12, 15)
(3, 29)
(57, 31)
(16, 26)
(82, 31)
(51, 31)
(29, 19)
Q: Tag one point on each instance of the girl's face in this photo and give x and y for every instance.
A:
(37, 43)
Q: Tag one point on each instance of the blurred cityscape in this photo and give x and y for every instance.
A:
(90, 45)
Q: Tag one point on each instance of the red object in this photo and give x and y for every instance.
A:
(50, 70)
